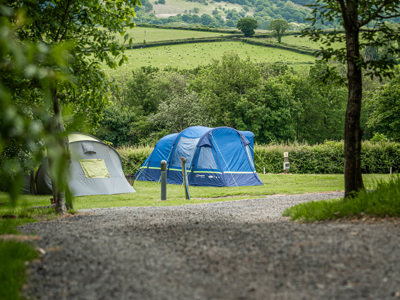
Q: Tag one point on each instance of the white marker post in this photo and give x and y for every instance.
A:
(286, 164)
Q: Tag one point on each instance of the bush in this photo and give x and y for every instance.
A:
(133, 157)
(326, 158)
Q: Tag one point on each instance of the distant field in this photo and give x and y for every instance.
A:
(139, 34)
(303, 42)
(187, 56)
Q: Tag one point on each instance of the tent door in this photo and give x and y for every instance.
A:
(206, 169)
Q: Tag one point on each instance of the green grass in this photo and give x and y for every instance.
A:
(14, 253)
(12, 267)
(139, 34)
(188, 56)
(148, 193)
(384, 201)
(299, 41)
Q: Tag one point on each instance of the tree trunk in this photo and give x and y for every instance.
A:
(58, 127)
(352, 132)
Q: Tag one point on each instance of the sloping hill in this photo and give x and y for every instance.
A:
(222, 14)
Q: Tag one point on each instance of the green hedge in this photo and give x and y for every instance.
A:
(283, 46)
(327, 158)
(193, 28)
(133, 157)
(184, 41)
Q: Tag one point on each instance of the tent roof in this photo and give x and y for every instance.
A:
(78, 137)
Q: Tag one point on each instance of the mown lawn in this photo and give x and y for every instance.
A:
(148, 193)
(189, 56)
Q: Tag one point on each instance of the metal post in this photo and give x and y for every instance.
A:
(163, 180)
(184, 176)
(391, 170)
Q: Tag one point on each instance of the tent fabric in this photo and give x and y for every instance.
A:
(220, 156)
(95, 169)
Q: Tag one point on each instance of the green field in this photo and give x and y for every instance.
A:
(148, 193)
(188, 56)
(140, 34)
(295, 40)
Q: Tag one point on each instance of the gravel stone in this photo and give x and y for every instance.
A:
(228, 250)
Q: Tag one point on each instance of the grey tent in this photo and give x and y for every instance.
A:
(95, 169)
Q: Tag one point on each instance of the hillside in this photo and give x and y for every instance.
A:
(222, 14)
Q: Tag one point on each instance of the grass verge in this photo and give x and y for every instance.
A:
(384, 201)
(13, 255)
(15, 251)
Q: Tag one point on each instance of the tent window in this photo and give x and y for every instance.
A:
(206, 159)
(94, 168)
(185, 148)
(88, 148)
(248, 151)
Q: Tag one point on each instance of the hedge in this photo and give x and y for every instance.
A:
(326, 158)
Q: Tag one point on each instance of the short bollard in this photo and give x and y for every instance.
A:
(163, 180)
(184, 176)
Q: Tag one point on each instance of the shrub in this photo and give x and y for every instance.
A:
(133, 157)
(326, 158)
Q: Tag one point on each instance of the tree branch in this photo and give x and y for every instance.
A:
(62, 20)
(377, 12)
(343, 9)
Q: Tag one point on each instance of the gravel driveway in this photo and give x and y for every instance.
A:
(229, 250)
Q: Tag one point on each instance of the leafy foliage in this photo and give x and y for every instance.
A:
(326, 158)
(279, 27)
(25, 125)
(384, 108)
(377, 33)
(247, 26)
(262, 11)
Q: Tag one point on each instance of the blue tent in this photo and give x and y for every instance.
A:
(220, 156)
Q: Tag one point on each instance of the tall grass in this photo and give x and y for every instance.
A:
(384, 201)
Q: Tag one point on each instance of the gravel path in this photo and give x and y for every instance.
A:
(229, 250)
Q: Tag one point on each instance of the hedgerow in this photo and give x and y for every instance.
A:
(326, 158)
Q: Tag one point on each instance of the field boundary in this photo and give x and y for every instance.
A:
(234, 38)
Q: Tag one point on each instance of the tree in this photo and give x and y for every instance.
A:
(23, 128)
(206, 19)
(384, 107)
(90, 27)
(180, 112)
(247, 26)
(356, 16)
(279, 27)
